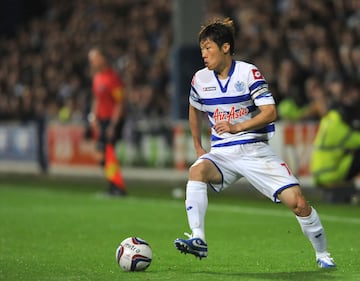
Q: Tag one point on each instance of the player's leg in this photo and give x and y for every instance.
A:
(101, 143)
(201, 172)
(113, 189)
(273, 178)
(309, 221)
(116, 181)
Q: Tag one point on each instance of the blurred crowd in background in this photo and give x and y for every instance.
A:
(44, 69)
(309, 52)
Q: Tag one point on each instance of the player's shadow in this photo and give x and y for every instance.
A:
(321, 274)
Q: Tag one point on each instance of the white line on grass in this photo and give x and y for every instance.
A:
(284, 213)
(278, 213)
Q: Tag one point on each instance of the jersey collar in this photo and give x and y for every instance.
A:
(231, 71)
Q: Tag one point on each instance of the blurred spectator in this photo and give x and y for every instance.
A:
(300, 42)
(336, 156)
(294, 42)
(51, 52)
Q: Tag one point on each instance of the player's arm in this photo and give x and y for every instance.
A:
(262, 99)
(267, 115)
(118, 94)
(118, 113)
(195, 121)
(92, 114)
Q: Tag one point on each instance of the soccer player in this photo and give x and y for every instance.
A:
(241, 111)
(107, 115)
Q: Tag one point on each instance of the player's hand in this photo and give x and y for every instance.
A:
(92, 121)
(223, 127)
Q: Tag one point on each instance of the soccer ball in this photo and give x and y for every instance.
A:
(134, 254)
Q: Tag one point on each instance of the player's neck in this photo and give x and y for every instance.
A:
(223, 70)
(103, 68)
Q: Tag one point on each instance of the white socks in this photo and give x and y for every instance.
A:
(197, 202)
(313, 229)
(196, 205)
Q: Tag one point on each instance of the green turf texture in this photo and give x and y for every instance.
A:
(53, 229)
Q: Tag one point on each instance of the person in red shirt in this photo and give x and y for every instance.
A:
(107, 111)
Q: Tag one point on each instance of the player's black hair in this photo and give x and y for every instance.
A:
(219, 31)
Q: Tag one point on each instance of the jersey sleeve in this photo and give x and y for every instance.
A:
(194, 98)
(259, 89)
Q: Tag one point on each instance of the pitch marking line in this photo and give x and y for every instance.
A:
(285, 213)
(266, 212)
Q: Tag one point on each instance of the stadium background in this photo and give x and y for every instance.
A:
(55, 222)
(305, 49)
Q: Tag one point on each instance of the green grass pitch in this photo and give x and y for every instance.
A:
(57, 229)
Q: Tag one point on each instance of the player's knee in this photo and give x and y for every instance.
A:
(197, 171)
(295, 201)
(301, 207)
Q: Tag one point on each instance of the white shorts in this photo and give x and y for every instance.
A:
(257, 163)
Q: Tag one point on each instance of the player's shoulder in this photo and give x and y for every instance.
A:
(244, 65)
(202, 76)
(249, 70)
(204, 72)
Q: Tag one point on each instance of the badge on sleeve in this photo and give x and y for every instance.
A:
(257, 74)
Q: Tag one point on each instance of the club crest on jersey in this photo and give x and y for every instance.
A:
(233, 114)
(257, 74)
(240, 86)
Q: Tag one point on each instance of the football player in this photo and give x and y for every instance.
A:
(241, 112)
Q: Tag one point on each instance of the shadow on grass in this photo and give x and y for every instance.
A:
(320, 274)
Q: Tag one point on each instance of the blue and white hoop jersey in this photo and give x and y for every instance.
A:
(234, 100)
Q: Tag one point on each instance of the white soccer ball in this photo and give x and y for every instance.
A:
(134, 254)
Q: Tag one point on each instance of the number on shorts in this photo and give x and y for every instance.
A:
(286, 167)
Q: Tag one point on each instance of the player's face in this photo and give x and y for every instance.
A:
(212, 55)
(96, 60)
